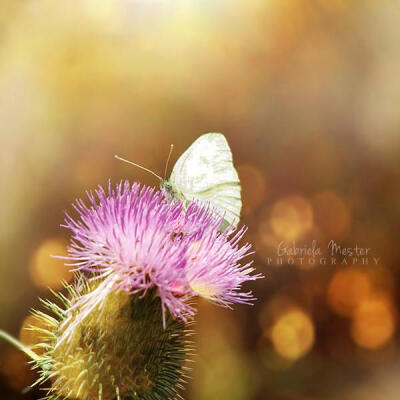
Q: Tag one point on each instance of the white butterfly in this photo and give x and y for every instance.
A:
(205, 172)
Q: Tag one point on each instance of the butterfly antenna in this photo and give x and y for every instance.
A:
(169, 156)
(139, 166)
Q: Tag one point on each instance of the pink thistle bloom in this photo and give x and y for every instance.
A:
(135, 240)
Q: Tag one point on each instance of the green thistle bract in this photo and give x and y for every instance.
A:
(120, 352)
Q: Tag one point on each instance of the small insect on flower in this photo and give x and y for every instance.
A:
(132, 239)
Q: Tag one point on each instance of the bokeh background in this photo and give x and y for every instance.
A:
(307, 93)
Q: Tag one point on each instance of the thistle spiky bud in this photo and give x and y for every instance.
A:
(121, 352)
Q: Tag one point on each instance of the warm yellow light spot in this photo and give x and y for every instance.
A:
(31, 337)
(374, 323)
(293, 334)
(47, 271)
(253, 187)
(202, 289)
(291, 217)
(347, 289)
(331, 213)
(103, 11)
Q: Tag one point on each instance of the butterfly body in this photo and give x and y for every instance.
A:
(170, 191)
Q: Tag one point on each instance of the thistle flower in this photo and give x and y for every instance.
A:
(140, 259)
(132, 239)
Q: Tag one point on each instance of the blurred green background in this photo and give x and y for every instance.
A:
(307, 93)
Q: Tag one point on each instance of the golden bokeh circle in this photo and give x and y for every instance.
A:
(291, 217)
(293, 334)
(31, 337)
(46, 270)
(347, 289)
(374, 323)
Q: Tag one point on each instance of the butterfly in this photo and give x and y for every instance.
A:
(205, 172)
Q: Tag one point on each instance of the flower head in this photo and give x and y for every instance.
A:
(134, 239)
(132, 249)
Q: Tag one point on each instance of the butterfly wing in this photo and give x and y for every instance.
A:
(205, 171)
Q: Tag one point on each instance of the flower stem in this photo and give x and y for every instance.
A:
(10, 339)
